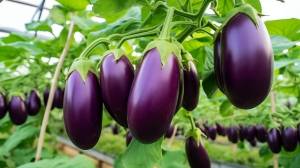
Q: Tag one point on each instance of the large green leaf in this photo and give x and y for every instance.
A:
(39, 26)
(58, 15)
(9, 52)
(174, 159)
(112, 10)
(226, 108)
(289, 28)
(140, 155)
(279, 44)
(209, 85)
(74, 5)
(225, 6)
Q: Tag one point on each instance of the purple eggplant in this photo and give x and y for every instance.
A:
(181, 92)
(83, 109)
(261, 133)
(289, 139)
(58, 99)
(298, 132)
(116, 77)
(153, 97)
(128, 138)
(212, 132)
(33, 103)
(232, 134)
(274, 140)
(17, 110)
(196, 154)
(46, 96)
(253, 142)
(244, 58)
(3, 106)
(242, 132)
(191, 87)
(170, 131)
(115, 129)
(217, 63)
(250, 133)
(220, 129)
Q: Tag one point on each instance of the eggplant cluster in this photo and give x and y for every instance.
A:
(58, 99)
(286, 138)
(243, 57)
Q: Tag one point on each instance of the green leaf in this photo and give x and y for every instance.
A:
(9, 52)
(209, 85)
(85, 23)
(280, 43)
(224, 7)
(58, 15)
(13, 37)
(140, 155)
(112, 10)
(226, 108)
(289, 28)
(174, 159)
(74, 5)
(39, 26)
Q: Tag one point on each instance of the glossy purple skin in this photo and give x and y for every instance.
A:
(3, 106)
(128, 138)
(83, 110)
(196, 154)
(261, 133)
(191, 87)
(242, 132)
(212, 132)
(289, 139)
(58, 99)
(246, 61)
(169, 132)
(17, 110)
(217, 63)
(250, 133)
(153, 97)
(115, 80)
(232, 134)
(274, 140)
(33, 103)
(181, 91)
(220, 129)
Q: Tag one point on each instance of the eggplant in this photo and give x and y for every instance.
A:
(116, 76)
(3, 106)
(83, 109)
(33, 103)
(58, 99)
(17, 110)
(233, 134)
(128, 138)
(170, 131)
(298, 132)
(181, 92)
(261, 133)
(250, 133)
(196, 154)
(153, 97)
(253, 142)
(274, 140)
(191, 87)
(220, 129)
(46, 95)
(289, 139)
(242, 132)
(243, 58)
(212, 132)
(115, 129)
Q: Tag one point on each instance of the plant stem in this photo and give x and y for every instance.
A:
(192, 122)
(173, 135)
(52, 91)
(165, 33)
(94, 44)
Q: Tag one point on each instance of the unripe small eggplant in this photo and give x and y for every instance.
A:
(191, 87)
(33, 103)
(116, 77)
(242, 132)
(261, 133)
(3, 106)
(253, 143)
(46, 95)
(274, 140)
(115, 129)
(232, 134)
(220, 129)
(58, 99)
(250, 133)
(212, 132)
(17, 110)
(196, 154)
(289, 139)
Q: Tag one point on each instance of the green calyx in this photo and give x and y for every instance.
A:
(16, 93)
(196, 134)
(165, 49)
(118, 53)
(83, 66)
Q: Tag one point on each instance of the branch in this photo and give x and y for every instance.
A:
(52, 92)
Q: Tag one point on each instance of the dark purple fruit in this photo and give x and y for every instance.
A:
(289, 139)
(17, 110)
(3, 106)
(83, 109)
(232, 134)
(191, 87)
(58, 99)
(170, 131)
(261, 133)
(128, 138)
(212, 132)
(116, 77)
(46, 96)
(250, 133)
(242, 132)
(181, 92)
(115, 129)
(274, 140)
(153, 97)
(33, 103)
(243, 58)
(253, 143)
(196, 154)
(220, 129)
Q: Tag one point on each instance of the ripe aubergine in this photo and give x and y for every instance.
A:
(289, 139)
(212, 132)
(46, 96)
(196, 154)
(116, 77)
(17, 110)
(217, 63)
(3, 106)
(58, 99)
(253, 143)
(33, 103)
(261, 133)
(242, 132)
(274, 140)
(245, 59)
(250, 133)
(83, 109)
(220, 129)
(232, 134)
(115, 129)
(153, 97)
(181, 92)
(191, 87)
